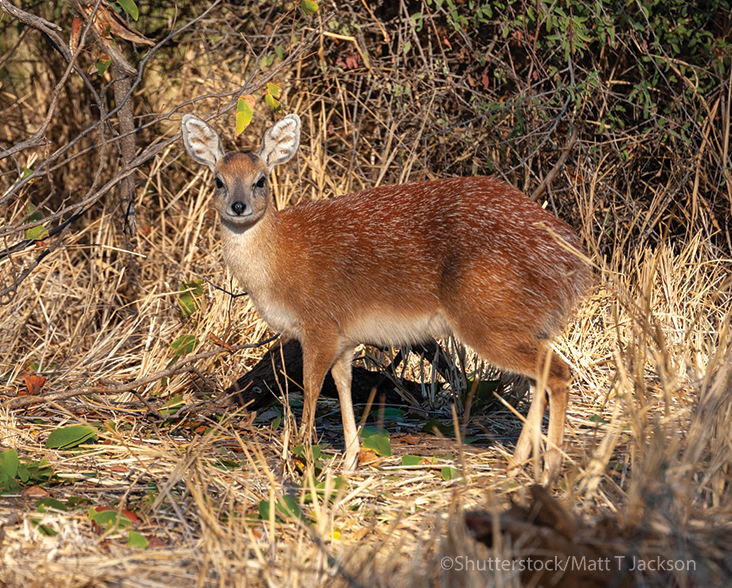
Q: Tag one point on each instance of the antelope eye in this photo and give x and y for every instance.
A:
(219, 183)
(261, 182)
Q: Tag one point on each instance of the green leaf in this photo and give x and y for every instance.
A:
(50, 503)
(70, 437)
(272, 102)
(392, 414)
(411, 460)
(103, 63)
(130, 8)
(189, 293)
(34, 214)
(9, 463)
(317, 451)
(184, 345)
(35, 233)
(263, 509)
(309, 7)
(433, 424)
(483, 392)
(276, 423)
(377, 441)
(136, 539)
(316, 454)
(44, 529)
(77, 502)
(8, 484)
(24, 473)
(244, 114)
(274, 89)
(227, 464)
(289, 507)
(172, 406)
(449, 473)
(336, 485)
(35, 472)
(108, 518)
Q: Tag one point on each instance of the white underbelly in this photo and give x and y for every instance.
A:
(384, 329)
(395, 329)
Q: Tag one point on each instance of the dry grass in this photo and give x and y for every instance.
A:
(648, 441)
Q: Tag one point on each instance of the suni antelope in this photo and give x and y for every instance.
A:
(394, 265)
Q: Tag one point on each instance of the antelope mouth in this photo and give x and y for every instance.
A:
(238, 221)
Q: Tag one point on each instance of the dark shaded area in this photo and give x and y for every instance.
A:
(282, 366)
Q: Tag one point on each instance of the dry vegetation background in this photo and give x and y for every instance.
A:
(616, 116)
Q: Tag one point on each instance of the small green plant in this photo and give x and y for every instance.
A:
(15, 471)
(315, 456)
(104, 518)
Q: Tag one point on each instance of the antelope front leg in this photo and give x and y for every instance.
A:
(341, 372)
(317, 359)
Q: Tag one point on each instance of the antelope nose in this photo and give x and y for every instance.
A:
(238, 208)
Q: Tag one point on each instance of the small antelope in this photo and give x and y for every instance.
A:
(394, 265)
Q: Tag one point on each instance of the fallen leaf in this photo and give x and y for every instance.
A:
(134, 519)
(33, 384)
(410, 439)
(367, 456)
(34, 492)
(153, 541)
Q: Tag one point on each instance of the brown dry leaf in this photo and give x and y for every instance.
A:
(367, 456)
(249, 99)
(154, 541)
(34, 492)
(107, 22)
(410, 439)
(33, 384)
(75, 34)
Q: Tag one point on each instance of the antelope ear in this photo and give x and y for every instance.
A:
(201, 141)
(281, 141)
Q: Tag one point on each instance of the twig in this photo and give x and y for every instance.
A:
(557, 166)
